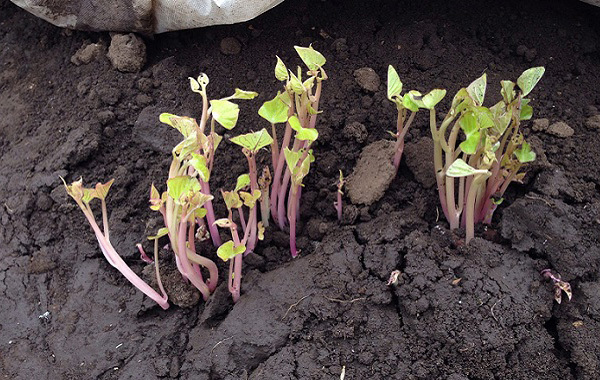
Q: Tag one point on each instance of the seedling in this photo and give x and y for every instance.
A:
(297, 106)
(188, 201)
(404, 105)
(559, 285)
(83, 196)
(338, 203)
(490, 156)
(196, 153)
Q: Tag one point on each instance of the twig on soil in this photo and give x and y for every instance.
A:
(219, 342)
(343, 374)
(345, 301)
(294, 305)
(539, 199)
(494, 315)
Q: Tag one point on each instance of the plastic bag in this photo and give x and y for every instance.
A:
(144, 16)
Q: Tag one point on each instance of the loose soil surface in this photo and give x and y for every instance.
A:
(458, 312)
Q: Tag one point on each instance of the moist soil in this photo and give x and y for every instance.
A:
(481, 311)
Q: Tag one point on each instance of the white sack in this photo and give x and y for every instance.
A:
(145, 16)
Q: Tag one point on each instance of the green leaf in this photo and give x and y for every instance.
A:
(310, 134)
(198, 161)
(225, 112)
(103, 188)
(178, 186)
(89, 195)
(281, 72)
(296, 84)
(530, 78)
(470, 127)
(245, 95)
(525, 154)
(274, 111)
(232, 199)
(194, 85)
(188, 145)
(228, 251)
(460, 168)
(253, 141)
(526, 110)
(307, 84)
(507, 91)
(200, 212)
(185, 125)
(250, 199)
(433, 98)
(242, 181)
(476, 89)
(311, 58)
(394, 84)
(292, 158)
(408, 103)
(160, 233)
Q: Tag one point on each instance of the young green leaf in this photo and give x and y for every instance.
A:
(253, 141)
(89, 195)
(296, 84)
(530, 78)
(232, 199)
(244, 95)
(460, 168)
(178, 186)
(223, 223)
(292, 158)
(274, 111)
(198, 162)
(242, 181)
(228, 251)
(304, 134)
(225, 112)
(194, 85)
(408, 103)
(526, 110)
(524, 153)
(250, 199)
(75, 189)
(185, 125)
(469, 125)
(160, 233)
(433, 98)
(394, 84)
(281, 72)
(507, 91)
(102, 189)
(311, 58)
(476, 89)
(200, 212)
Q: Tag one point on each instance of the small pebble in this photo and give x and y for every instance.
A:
(540, 124)
(230, 46)
(593, 122)
(560, 129)
(367, 79)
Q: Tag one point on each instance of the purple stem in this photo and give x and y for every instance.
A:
(210, 216)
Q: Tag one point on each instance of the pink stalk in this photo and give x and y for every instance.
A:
(292, 219)
(116, 261)
(253, 186)
(192, 275)
(278, 169)
(281, 199)
(338, 206)
(242, 219)
(210, 216)
(143, 255)
(400, 140)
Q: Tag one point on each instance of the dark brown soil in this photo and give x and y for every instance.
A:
(476, 312)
